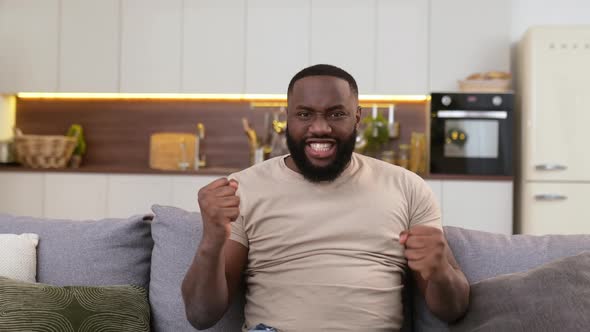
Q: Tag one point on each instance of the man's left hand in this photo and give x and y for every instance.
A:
(426, 251)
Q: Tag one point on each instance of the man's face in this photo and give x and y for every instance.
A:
(322, 118)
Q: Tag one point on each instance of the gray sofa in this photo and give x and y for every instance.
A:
(155, 253)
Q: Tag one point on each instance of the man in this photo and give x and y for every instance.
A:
(322, 236)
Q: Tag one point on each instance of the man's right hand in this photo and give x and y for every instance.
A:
(219, 207)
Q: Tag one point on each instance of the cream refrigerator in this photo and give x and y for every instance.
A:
(554, 96)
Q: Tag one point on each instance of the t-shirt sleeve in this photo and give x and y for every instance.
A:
(424, 208)
(238, 229)
(238, 232)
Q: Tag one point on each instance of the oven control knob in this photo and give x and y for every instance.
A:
(446, 100)
(497, 100)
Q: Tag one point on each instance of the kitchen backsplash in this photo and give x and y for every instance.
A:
(118, 132)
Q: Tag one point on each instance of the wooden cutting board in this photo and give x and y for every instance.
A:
(169, 150)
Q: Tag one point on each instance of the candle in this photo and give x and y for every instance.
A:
(374, 111)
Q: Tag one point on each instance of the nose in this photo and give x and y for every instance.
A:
(319, 126)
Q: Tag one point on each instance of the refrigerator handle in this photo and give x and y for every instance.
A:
(550, 167)
(550, 197)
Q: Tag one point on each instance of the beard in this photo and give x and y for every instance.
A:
(312, 173)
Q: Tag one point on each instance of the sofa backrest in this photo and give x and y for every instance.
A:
(88, 253)
(483, 255)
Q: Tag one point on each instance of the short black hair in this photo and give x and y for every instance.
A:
(324, 70)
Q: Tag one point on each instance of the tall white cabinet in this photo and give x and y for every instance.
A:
(89, 46)
(213, 46)
(29, 45)
(467, 36)
(343, 34)
(278, 43)
(151, 39)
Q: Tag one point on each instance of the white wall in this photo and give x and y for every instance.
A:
(526, 13)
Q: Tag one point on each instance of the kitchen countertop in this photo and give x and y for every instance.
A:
(221, 171)
(122, 170)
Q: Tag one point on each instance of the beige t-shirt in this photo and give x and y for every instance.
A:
(326, 257)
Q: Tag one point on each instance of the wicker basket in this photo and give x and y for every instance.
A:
(44, 151)
(493, 85)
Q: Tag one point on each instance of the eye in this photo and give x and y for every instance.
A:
(303, 115)
(337, 115)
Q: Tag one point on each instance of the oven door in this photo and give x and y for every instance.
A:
(471, 142)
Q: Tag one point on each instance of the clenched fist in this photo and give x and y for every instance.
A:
(426, 251)
(219, 207)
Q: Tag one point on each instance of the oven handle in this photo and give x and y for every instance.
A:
(463, 114)
(550, 197)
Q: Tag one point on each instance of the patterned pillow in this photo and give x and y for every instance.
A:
(39, 307)
(18, 256)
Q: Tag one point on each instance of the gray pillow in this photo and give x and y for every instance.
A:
(176, 235)
(552, 297)
(88, 253)
(483, 255)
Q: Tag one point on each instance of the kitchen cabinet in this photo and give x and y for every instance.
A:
(343, 34)
(74, 196)
(480, 205)
(89, 46)
(186, 188)
(467, 36)
(134, 194)
(555, 208)
(436, 186)
(278, 43)
(213, 46)
(28, 45)
(151, 38)
(401, 50)
(22, 194)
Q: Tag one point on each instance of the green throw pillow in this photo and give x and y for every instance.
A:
(39, 307)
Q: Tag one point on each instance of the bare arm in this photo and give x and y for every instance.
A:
(446, 295)
(215, 273)
(436, 272)
(212, 281)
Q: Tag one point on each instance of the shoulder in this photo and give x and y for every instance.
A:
(260, 171)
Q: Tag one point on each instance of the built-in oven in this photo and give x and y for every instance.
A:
(471, 133)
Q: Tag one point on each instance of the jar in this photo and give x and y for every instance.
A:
(403, 157)
(418, 153)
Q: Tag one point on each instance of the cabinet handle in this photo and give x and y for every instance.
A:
(550, 167)
(550, 197)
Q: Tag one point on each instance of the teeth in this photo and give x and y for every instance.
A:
(321, 146)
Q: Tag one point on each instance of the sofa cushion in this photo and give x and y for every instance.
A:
(176, 235)
(37, 307)
(91, 252)
(18, 256)
(484, 255)
(552, 297)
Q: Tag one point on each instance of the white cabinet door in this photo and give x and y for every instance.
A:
(151, 45)
(555, 208)
(467, 36)
(343, 34)
(75, 196)
(135, 194)
(213, 46)
(402, 47)
(436, 186)
(278, 43)
(185, 190)
(21, 194)
(480, 205)
(89, 41)
(28, 45)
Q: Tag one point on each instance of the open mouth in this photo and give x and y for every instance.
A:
(320, 149)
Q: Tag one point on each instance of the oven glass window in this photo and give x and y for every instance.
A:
(469, 138)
